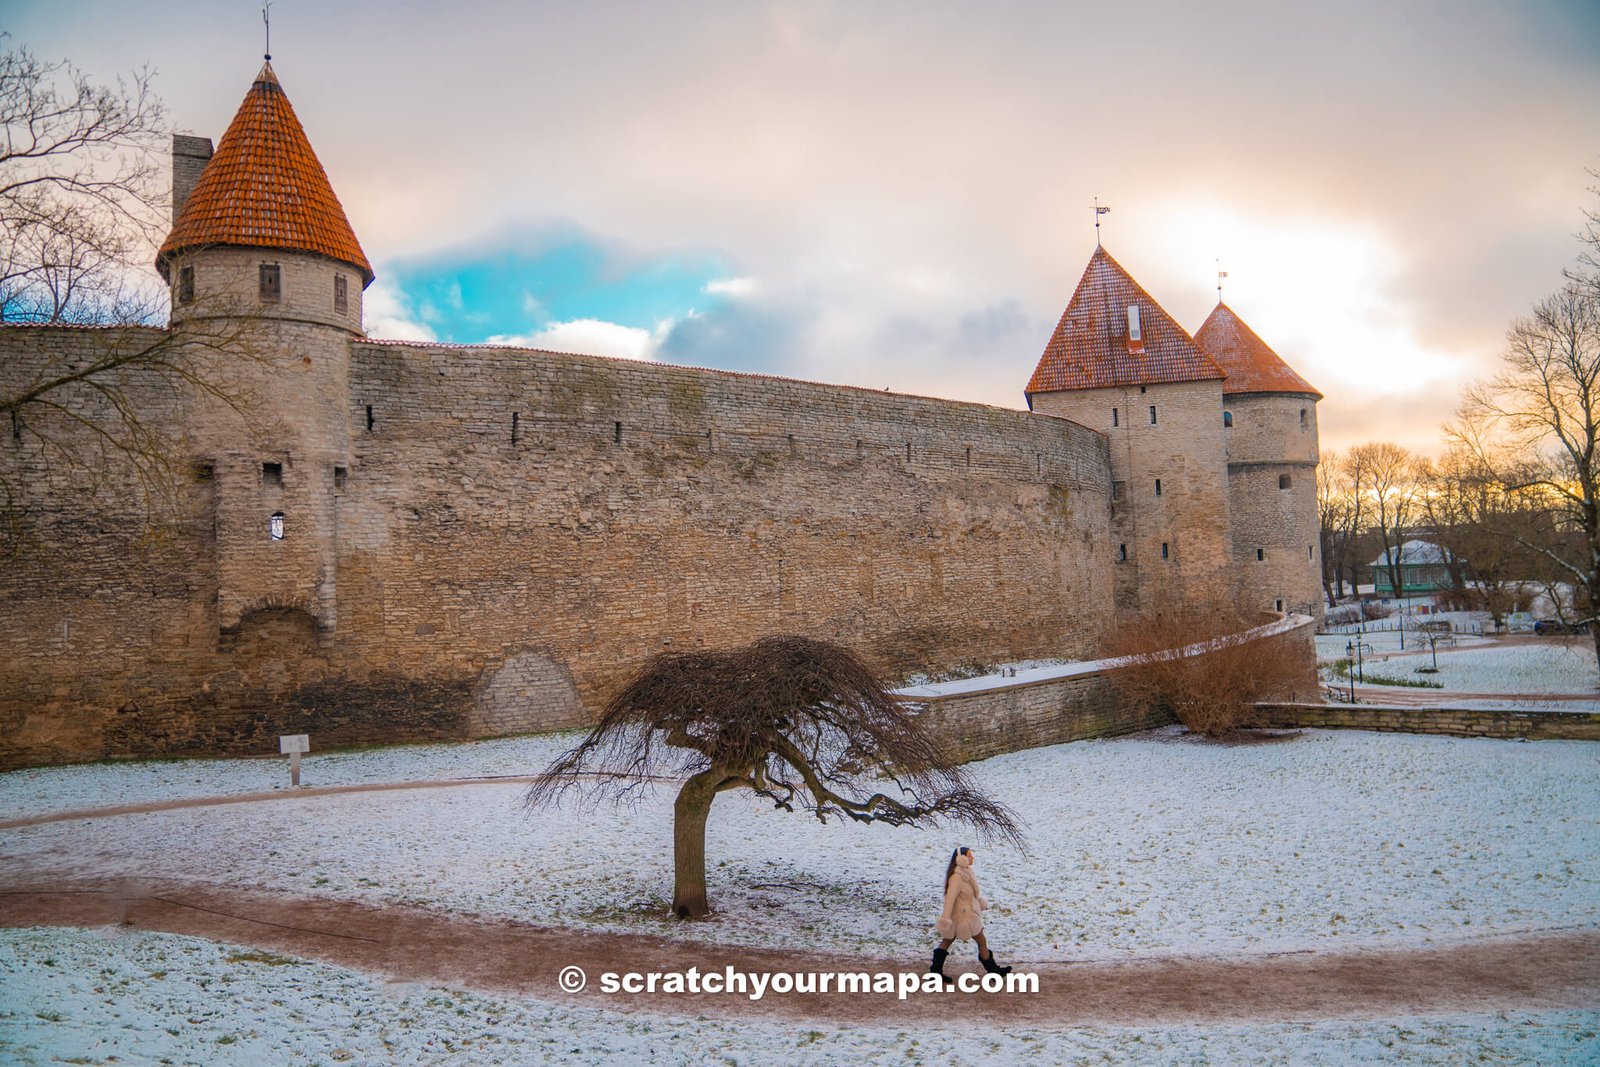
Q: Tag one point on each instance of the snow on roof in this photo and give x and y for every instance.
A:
(1413, 554)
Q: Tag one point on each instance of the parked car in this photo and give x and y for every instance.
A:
(1556, 626)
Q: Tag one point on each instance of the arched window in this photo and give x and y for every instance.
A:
(1302, 418)
(275, 526)
(1227, 420)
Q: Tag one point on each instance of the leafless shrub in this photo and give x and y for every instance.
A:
(1190, 659)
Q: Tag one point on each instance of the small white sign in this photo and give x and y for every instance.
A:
(294, 743)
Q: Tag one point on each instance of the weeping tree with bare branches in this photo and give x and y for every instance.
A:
(798, 721)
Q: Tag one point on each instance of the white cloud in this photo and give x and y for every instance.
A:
(591, 337)
(732, 286)
(387, 315)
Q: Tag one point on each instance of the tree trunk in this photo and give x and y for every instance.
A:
(689, 843)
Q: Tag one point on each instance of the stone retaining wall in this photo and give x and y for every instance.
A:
(1456, 722)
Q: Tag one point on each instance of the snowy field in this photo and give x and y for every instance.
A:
(1549, 665)
(141, 998)
(1143, 845)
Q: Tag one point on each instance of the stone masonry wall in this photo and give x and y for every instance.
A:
(508, 506)
(1276, 530)
(1455, 722)
(1183, 450)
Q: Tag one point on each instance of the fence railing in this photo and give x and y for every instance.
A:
(1411, 624)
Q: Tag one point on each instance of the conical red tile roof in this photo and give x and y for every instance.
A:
(1252, 366)
(1091, 350)
(264, 188)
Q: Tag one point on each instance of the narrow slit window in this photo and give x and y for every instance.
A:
(616, 433)
(275, 526)
(369, 418)
(186, 285)
(1261, 554)
(1116, 420)
(1152, 414)
(1277, 605)
(272, 475)
(340, 475)
(1158, 487)
(969, 455)
(1227, 420)
(341, 295)
(1119, 490)
(1284, 481)
(516, 417)
(271, 283)
(1164, 553)
(1302, 418)
(908, 451)
(1122, 553)
(1308, 552)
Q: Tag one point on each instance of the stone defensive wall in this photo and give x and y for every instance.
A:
(981, 717)
(512, 533)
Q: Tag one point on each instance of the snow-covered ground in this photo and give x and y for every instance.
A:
(1548, 665)
(1151, 844)
(134, 997)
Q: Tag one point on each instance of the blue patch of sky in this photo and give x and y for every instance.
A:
(519, 284)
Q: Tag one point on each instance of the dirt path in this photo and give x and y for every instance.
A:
(1552, 971)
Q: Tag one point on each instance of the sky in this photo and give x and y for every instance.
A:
(900, 195)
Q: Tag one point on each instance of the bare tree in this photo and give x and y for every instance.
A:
(1338, 512)
(82, 197)
(1383, 476)
(1535, 427)
(797, 721)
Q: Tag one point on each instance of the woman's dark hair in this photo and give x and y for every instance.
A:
(951, 869)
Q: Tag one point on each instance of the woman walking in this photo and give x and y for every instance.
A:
(962, 918)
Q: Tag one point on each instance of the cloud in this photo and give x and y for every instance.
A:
(731, 286)
(387, 315)
(590, 337)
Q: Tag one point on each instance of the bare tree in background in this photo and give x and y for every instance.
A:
(83, 203)
(795, 720)
(1338, 516)
(1383, 479)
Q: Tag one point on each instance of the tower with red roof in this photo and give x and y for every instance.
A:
(266, 279)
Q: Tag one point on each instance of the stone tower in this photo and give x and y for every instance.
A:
(266, 277)
(1270, 429)
(1118, 363)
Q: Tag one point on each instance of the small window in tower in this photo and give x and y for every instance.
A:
(1122, 553)
(1261, 554)
(1284, 481)
(275, 526)
(1119, 490)
(1302, 418)
(272, 475)
(1277, 605)
(186, 285)
(1164, 553)
(341, 295)
(1152, 414)
(339, 476)
(1115, 419)
(1227, 420)
(1158, 487)
(1308, 552)
(271, 283)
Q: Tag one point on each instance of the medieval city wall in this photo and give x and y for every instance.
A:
(542, 524)
(449, 576)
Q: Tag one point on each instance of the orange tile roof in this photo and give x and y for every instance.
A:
(1252, 367)
(1091, 349)
(264, 188)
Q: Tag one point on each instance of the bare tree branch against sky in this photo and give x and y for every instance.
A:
(899, 194)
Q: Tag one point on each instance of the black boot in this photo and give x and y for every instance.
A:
(937, 966)
(991, 966)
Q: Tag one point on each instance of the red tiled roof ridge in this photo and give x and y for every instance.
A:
(1089, 348)
(265, 188)
(1251, 364)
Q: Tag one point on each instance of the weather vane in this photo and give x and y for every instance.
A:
(1221, 274)
(266, 20)
(1098, 211)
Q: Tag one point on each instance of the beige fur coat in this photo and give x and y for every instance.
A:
(962, 918)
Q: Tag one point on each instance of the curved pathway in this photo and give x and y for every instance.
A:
(1558, 970)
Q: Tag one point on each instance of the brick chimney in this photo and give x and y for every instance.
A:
(189, 157)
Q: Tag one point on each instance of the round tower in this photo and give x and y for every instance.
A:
(1269, 425)
(266, 279)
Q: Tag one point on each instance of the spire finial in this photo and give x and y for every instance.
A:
(1098, 211)
(1221, 274)
(266, 21)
